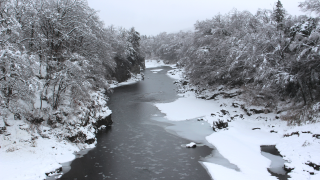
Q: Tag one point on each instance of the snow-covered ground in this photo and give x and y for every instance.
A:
(240, 142)
(28, 152)
(25, 155)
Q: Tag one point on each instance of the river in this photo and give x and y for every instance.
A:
(140, 145)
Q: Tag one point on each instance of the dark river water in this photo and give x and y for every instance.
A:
(141, 144)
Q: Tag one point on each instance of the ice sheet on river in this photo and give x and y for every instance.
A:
(240, 145)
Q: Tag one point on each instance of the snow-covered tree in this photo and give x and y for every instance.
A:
(268, 52)
(17, 83)
(279, 14)
(56, 53)
(311, 6)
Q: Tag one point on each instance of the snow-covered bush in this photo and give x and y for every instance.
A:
(305, 115)
(220, 124)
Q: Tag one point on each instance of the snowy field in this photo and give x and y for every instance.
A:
(240, 142)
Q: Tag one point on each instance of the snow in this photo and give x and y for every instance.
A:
(156, 63)
(27, 156)
(299, 150)
(132, 80)
(156, 70)
(176, 74)
(100, 100)
(240, 142)
(37, 103)
(190, 145)
(136, 78)
(187, 107)
(241, 146)
(219, 172)
(276, 163)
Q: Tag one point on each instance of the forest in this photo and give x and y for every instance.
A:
(56, 56)
(272, 55)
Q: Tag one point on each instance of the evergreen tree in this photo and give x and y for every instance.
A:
(278, 15)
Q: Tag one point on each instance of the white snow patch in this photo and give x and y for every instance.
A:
(37, 103)
(190, 145)
(220, 172)
(187, 107)
(132, 80)
(175, 74)
(101, 101)
(156, 70)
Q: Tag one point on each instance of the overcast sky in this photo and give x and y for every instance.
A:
(150, 17)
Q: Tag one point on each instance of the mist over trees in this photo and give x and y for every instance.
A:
(271, 53)
(57, 52)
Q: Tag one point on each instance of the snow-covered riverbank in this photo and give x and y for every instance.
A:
(132, 80)
(31, 151)
(240, 142)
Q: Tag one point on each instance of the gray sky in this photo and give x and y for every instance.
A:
(150, 17)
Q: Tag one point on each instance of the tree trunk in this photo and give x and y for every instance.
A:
(310, 93)
(41, 101)
(56, 101)
(302, 91)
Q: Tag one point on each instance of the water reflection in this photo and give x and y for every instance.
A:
(277, 162)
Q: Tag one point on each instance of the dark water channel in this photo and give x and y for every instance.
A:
(277, 162)
(137, 146)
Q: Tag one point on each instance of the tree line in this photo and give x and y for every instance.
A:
(57, 52)
(270, 54)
